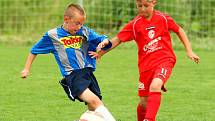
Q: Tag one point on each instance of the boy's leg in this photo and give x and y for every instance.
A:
(95, 104)
(91, 99)
(141, 108)
(153, 103)
(154, 99)
(143, 91)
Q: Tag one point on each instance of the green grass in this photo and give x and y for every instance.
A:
(190, 95)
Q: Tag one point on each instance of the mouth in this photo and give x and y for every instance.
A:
(75, 30)
(72, 32)
(144, 14)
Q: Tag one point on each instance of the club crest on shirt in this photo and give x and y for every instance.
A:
(72, 41)
(151, 34)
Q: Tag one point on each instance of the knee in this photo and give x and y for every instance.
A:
(94, 103)
(155, 88)
(156, 85)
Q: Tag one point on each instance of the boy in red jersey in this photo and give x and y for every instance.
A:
(150, 30)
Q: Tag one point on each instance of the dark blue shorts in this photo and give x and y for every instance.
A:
(79, 80)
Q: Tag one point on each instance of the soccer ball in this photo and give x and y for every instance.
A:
(91, 116)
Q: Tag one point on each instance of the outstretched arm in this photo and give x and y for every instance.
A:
(115, 42)
(29, 61)
(184, 39)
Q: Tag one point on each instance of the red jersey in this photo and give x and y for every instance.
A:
(152, 38)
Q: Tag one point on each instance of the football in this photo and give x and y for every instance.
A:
(91, 116)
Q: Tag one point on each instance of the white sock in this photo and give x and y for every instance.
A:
(105, 113)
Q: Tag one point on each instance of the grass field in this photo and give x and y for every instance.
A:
(190, 95)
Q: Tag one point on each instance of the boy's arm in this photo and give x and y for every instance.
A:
(29, 61)
(104, 45)
(115, 42)
(184, 39)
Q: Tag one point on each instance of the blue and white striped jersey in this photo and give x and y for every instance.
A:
(70, 51)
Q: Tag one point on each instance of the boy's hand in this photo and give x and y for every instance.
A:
(102, 44)
(193, 57)
(24, 73)
(95, 55)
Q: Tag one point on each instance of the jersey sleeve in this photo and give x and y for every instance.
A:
(126, 34)
(95, 38)
(172, 25)
(43, 46)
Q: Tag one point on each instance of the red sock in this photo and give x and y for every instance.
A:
(141, 112)
(153, 105)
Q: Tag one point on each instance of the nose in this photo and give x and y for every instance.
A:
(78, 26)
(143, 8)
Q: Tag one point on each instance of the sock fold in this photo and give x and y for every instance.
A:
(105, 113)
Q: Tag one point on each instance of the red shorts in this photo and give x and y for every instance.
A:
(145, 79)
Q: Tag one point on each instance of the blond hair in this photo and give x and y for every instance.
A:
(146, 0)
(71, 8)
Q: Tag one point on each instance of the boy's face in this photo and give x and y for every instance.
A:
(74, 23)
(145, 7)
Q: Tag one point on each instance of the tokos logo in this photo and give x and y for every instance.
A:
(72, 41)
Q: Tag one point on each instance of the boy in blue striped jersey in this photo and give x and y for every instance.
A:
(70, 45)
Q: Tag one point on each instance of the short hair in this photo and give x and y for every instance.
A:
(146, 0)
(71, 8)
